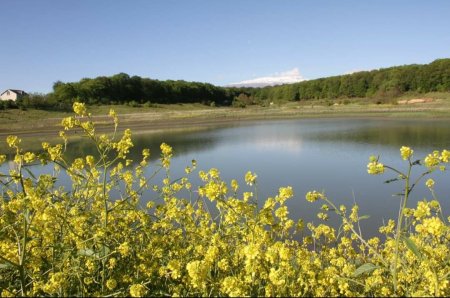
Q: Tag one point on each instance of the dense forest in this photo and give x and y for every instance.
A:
(387, 82)
(123, 89)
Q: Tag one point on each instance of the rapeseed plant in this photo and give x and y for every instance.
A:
(100, 238)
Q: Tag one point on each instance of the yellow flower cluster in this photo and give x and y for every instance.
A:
(105, 236)
(375, 168)
(250, 178)
(79, 109)
(137, 290)
(429, 183)
(406, 152)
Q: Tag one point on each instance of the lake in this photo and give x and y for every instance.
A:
(328, 155)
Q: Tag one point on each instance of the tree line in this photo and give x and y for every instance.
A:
(123, 89)
(388, 82)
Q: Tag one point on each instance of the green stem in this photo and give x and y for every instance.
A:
(105, 223)
(354, 231)
(399, 227)
(22, 256)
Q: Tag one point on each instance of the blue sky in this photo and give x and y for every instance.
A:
(219, 42)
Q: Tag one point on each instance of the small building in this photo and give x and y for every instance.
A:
(12, 94)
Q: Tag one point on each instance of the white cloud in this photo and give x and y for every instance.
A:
(286, 77)
(352, 71)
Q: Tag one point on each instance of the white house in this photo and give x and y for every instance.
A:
(12, 94)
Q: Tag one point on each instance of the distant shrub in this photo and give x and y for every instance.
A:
(133, 104)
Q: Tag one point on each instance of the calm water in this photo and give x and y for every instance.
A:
(319, 154)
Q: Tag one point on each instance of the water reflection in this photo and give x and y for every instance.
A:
(387, 132)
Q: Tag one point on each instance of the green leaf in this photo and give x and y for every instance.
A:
(104, 251)
(391, 180)
(365, 268)
(86, 252)
(364, 217)
(5, 265)
(417, 162)
(412, 246)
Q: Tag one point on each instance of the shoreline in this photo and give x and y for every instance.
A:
(167, 119)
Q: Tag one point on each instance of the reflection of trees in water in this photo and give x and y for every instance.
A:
(392, 133)
(182, 143)
(428, 134)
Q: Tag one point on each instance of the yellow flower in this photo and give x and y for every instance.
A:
(211, 254)
(55, 283)
(445, 155)
(29, 157)
(214, 191)
(251, 251)
(313, 196)
(406, 152)
(234, 185)
(6, 293)
(2, 158)
(137, 290)
(322, 216)
(113, 115)
(354, 215)
(232, 287)
(375, 168)
(68, 122)
(223, 265)
(112, 263)
(45, 145)
(246, 196)
(146, 153)
(214, 173)
(388, 228)
(433, 226)
(197, 271)
(63, 135)
(175, 268)
(124, 145)
(285, 193)
(282, 212)
(285, 253)
(111, 284)
(90, 160)
(124, 249)
(79, 109)
(12, 141)
(432, 159)
(166, 152)
(203, 176)
(276, 277)
(166, 149)
(423, 209)
(55, 152)
(250, 178)
(429, 183)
